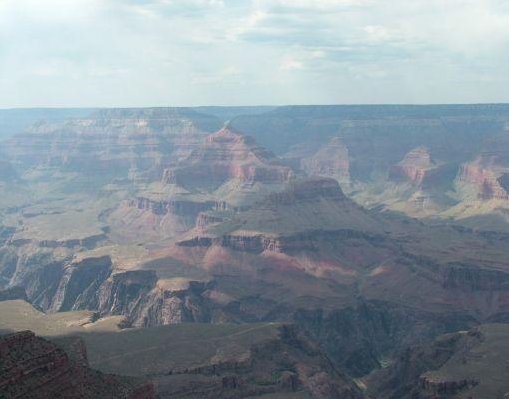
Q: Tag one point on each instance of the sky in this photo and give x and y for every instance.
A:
(91, 53)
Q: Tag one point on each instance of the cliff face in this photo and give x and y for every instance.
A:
(138, 295)
(227, 155)
(415, 167)
(62, 286)
(144, 302)
(32, 367)
(487, 177)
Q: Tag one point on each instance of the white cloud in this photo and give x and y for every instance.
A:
(157, 52)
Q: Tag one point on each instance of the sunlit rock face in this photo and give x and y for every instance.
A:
(414, 167)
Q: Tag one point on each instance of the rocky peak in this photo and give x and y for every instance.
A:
(227, 155)
(414, 167)
(239, 147)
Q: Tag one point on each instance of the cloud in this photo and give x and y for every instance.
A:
(185, 52)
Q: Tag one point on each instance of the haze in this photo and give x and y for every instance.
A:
(196, 52)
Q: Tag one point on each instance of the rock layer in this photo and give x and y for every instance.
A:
(227, 155)
(32, 367)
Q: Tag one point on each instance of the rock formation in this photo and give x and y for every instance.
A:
(117, 143)
(33, 367)
(145, 216)
(286, 220)
(227, 155)
(415, 167)
(486, 176)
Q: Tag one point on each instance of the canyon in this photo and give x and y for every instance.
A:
(350, 236)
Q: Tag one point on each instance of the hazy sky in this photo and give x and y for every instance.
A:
(243, 52)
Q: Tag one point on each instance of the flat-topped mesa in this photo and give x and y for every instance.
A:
(308, 190)
(415, 167)
(332, 160)
(227, 155)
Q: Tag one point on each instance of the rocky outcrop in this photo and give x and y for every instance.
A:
(66, 285)
(224, 156)
(32, 367)
(486, 176)
(146, 302)
(90, 285)
(79, 284)
(420, 170)
(414, 167)
(331, 160)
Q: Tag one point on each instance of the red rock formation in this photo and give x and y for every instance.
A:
(415, 167)
(487, 176)
(32, 367)
(227, 155)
